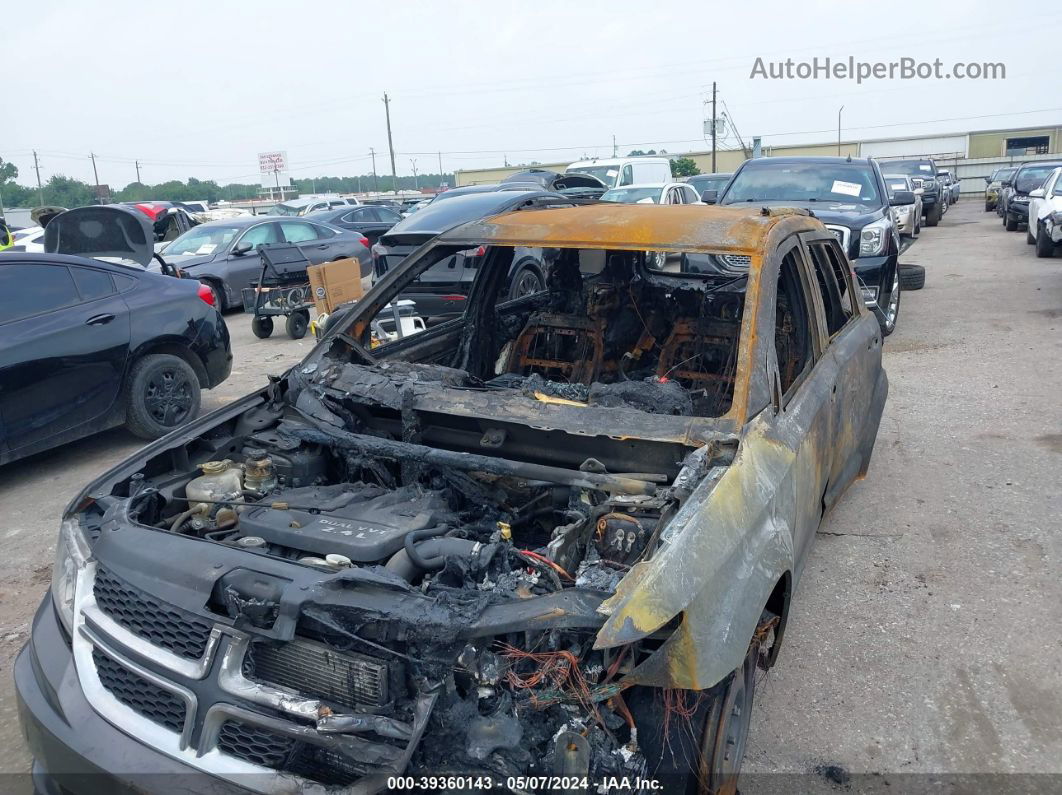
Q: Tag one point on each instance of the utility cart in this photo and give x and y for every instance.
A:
(282, 289)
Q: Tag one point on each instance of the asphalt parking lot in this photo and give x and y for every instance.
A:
(923, 638)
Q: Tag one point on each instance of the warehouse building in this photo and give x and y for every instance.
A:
(969, 155)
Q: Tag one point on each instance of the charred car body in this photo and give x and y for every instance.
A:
(555, 535)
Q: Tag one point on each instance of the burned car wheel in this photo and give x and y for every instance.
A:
(727, 729)
(163, 393)
(694, 742)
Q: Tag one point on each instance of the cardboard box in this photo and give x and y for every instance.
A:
(334, 283)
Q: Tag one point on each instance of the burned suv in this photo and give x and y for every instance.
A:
(555, 535)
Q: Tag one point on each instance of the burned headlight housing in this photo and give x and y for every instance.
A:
(71, 556)
(873, 236)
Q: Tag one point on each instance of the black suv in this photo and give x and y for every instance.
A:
(86, 345)
(1028, 177)
(924, 175)
(849, 196)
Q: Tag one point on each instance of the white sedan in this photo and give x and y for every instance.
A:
(653, 193)
(30, 239)
(1045, 215)
(908, 216)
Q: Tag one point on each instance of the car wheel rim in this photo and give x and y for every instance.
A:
(894, 303)
(733, 731)
(168, 397)
(527, 284)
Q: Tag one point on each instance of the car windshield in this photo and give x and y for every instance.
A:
(1002, 174)
(285, 209)
(896, 183)
(1029, 179)
(606, 174)
(912, 168)
(632, 195)
(708, 182)
(838, 183)
(203, 240)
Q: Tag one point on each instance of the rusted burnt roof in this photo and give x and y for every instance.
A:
(608, 225)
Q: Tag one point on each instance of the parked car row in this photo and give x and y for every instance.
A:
(1030, 196)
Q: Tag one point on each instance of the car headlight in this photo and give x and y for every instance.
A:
(1056, 217)
(872, 238)
(71, 555)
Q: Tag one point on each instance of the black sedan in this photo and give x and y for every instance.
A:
(370, 221)
(87, 345)
(221, 254)
(442, 290)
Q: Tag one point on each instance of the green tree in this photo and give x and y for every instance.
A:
(684, 167)
(67, 192)
(8, 171)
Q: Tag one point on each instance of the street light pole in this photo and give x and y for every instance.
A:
(839, 130)
(416, 182)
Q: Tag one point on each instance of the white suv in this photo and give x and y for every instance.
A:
(1045, 215)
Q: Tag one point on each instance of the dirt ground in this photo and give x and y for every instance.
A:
(924, 634)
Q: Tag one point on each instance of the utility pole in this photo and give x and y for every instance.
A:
(440, 169)
(713, 126)
(37, 168)
(390, 145)
(92, 157)
(839, 130)
(276, 176)
(416, 182)
(613, 145)
(138, 172)
(375, 179)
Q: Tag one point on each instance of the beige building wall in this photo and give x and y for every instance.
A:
(982, 144)
(992, 144)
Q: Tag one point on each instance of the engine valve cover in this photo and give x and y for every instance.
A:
(364, 522)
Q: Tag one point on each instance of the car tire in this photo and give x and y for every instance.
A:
(912, 277)
(297, 324)
(262, 327)
(988, 207)
(526, 281)
(1029, 239)
(162, 393)
(1045, 246)
(220, 303)
(933, 215)
(1011, 223)
(890, 315)
(702, 750)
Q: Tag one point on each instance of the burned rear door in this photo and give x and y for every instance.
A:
(854, 346)
(802, 380)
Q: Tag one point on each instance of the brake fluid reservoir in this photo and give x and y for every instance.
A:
(221, 481)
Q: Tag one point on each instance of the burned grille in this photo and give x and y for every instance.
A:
(140, 695)
(315, 670)
(256, 745)
(267, 748)
(150, 619)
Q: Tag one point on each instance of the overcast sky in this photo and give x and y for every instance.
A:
(199, 88)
